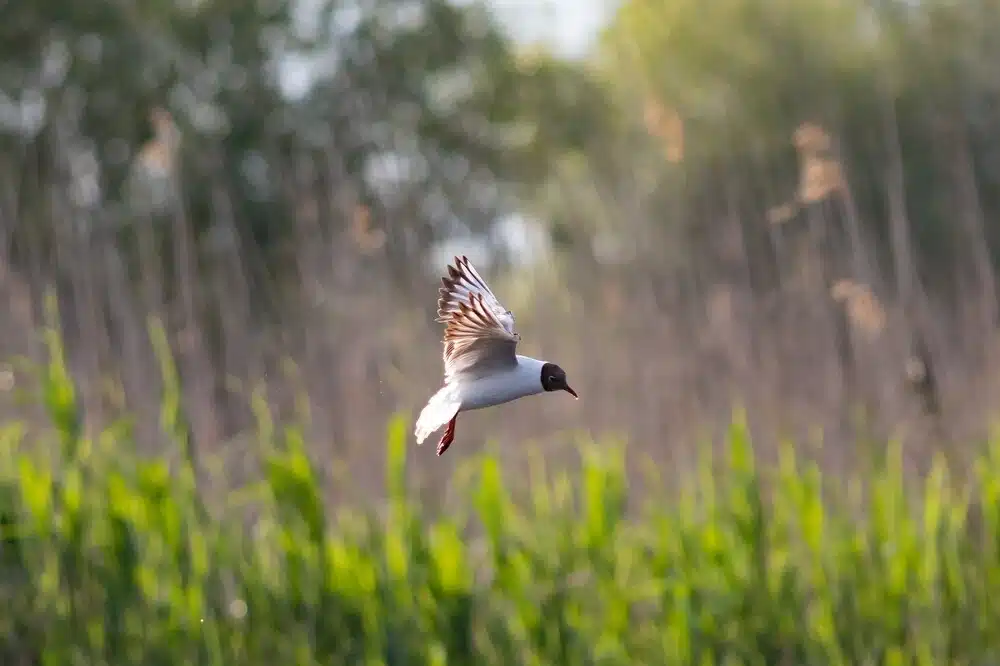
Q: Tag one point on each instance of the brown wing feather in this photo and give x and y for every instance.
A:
(478, 334)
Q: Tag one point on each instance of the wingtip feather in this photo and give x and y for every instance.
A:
(468, 309)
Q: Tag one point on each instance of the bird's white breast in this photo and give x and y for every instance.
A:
(495, 389)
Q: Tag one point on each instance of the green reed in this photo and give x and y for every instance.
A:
(108, 557)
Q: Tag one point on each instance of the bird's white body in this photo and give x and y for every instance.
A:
(522, 380)
(466, 392)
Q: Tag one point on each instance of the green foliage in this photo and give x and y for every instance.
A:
(110, 558)
(743, 75)
(429, 80)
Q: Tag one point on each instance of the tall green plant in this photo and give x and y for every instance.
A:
(117, 561)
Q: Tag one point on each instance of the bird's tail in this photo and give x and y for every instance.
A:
(440, 409)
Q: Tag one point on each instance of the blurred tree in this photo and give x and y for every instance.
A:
(417, 108)
(784, 145)
(227, 164)
(742, 76)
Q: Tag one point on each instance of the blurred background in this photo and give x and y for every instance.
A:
(787, 206)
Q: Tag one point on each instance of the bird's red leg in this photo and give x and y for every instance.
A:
(448, 437)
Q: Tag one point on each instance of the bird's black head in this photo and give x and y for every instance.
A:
(554, 379)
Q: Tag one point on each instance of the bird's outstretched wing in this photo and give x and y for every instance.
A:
(479, 333)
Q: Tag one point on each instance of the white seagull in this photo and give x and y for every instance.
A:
(481, 368)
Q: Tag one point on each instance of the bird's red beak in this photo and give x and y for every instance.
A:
(569, 389)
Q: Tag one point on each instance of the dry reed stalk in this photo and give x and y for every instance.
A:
(864, 310)
(665, 124)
